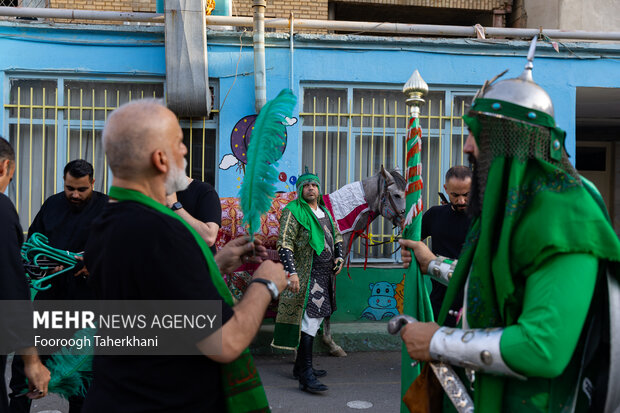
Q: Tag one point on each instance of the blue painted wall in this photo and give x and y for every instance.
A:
(107, 52)
(363, 60)
(102, 52)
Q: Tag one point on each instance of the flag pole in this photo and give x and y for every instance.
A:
(416, 300)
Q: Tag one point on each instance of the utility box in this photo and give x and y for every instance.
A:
(187, 75)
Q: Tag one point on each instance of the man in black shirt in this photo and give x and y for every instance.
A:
(65, 219)
(139, 250)
(13, 286)
(199, 205)
(447, 226)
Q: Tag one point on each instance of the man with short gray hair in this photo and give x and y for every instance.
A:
(144, 251)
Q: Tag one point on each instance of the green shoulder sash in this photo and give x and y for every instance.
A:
(242, 385)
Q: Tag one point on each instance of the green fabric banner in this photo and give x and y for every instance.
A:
(416, 300)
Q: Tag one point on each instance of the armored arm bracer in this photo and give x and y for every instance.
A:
(476, 349)
(441, 269)
(338, 253)
(286, 257)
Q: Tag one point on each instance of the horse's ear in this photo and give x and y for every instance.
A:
(387, 176)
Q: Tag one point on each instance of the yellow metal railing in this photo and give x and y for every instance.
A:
(28, 131)
(373, 127)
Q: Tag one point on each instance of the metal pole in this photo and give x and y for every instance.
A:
(81, 14)
(416, 302)
(260, 81)
(305, 24)
(291, 52)
(418, 29)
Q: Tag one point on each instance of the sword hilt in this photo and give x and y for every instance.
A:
(449, 380)
(398, 322)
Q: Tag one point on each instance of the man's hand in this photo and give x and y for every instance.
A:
(57, 268)
(417, 338)
(422, 253)
(38, 375)
(83, 272)
(240, 251)
(293, 282)
(338, 263)
(271, 271)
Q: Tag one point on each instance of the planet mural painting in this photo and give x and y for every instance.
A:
(240, 138)
(242, 135)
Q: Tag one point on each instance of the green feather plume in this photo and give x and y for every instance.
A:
(258, 188)
(71, 368)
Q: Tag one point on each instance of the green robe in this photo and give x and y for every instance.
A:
(292, 305)
(531, 258)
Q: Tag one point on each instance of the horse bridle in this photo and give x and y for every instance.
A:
(396, 216)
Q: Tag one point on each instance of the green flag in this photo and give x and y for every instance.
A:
(416, 301)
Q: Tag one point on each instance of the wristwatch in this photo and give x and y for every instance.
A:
(176, 206)
(271, 286)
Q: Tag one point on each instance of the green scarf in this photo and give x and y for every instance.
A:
(306, 218)
(242, 385)
(532, 210)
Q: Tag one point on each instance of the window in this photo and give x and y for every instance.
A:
(24, 3)
(348, 132)
(55, 120)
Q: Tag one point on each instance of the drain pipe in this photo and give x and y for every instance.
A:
(260, 80)
(292, 47)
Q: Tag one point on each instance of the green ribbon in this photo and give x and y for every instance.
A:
(306, 218)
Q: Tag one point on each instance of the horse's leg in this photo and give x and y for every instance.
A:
(334, 349)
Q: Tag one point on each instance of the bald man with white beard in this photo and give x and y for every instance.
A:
(139, 250)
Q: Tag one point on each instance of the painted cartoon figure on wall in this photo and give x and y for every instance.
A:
(382, 302)
(240, 139)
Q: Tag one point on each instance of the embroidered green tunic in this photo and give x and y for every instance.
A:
(531, 260)
(291, 308)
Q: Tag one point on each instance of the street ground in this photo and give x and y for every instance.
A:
(362, 381)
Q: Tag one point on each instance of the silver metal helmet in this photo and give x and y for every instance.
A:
(520, 90)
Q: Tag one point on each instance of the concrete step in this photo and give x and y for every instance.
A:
(352, 337)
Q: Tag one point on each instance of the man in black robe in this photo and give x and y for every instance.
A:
(140, 250)
(65, 219)
(13, 286)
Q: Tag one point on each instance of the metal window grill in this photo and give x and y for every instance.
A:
(24, 3)
(53, 121)
(348, 133)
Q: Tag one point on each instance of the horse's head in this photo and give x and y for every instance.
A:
(392, 196)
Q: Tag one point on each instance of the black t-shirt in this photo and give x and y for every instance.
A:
(447, 229)
(201, 201)
(67, 228)
(13, 284)
(137, 253)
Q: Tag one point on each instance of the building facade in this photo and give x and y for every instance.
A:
(59, 82)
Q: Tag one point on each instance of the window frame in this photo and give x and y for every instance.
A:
(444, 132)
